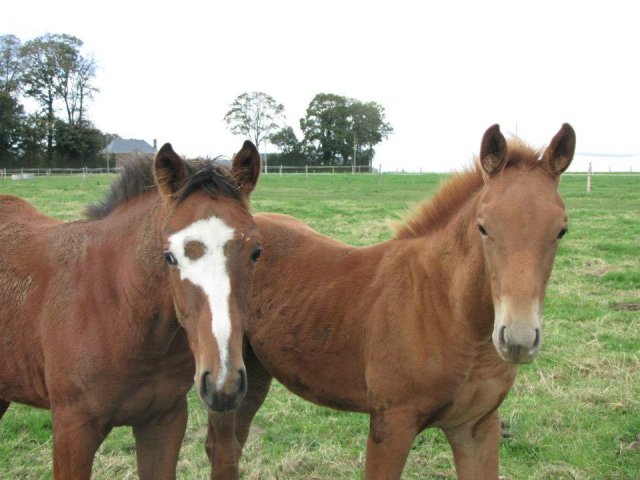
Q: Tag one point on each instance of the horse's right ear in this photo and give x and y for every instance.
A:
(169, 171)
(493, 150)
(558, 155)
(246, 167)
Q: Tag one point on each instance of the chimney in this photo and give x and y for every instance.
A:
(155, 145)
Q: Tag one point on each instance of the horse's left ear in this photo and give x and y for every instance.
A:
(169, 171)
(246, 167)
(558, 155)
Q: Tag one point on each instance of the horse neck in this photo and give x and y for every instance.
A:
(462, 263)
(131, 234)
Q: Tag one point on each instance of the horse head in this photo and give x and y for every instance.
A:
(521, 218)
(210, 247)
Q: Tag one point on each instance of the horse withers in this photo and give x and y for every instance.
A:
(101, 320)
(424, 330)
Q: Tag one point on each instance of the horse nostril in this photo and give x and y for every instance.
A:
(536, 342)
(501, 335)
(203, 382)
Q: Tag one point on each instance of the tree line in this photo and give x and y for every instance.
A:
(51, 72)
(336, 129)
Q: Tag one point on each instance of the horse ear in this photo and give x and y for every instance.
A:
(493, 150)
(559, 154)
(246, 167)
(169, 171)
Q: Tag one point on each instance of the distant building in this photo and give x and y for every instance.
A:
(124, 150)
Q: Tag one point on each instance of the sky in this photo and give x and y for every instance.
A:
(443, 71)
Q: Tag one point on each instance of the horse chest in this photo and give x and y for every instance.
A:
(485, 387)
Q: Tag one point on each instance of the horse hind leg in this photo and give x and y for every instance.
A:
(228, 431)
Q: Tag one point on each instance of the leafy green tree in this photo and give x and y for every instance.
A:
(33, 142)
(368, 128)
(77, 145)
(54, 70)
(324, 127)
(291, 149)
(11, 111)
(11, 129)
(336, 127)
(255, 115)
(10, 64)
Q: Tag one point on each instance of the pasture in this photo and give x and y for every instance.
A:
(572, 414)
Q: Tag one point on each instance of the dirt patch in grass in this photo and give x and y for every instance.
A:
(595, 266)
(626, 306)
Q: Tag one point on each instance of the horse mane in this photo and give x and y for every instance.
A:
(137, 178)
(434, 213)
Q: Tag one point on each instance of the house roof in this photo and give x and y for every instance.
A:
(129, 145)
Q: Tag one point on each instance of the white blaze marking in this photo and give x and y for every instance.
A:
(209, 272)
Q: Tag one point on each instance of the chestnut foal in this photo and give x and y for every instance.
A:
(424, 330)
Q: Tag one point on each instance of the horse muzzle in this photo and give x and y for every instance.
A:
(223, 395)
(516, 333)
(518, 345)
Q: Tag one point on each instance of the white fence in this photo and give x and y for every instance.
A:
(22, 173)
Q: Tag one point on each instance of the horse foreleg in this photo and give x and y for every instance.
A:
(158, 443)
(229, 431)
(475, 447)
(3, 407)
(76, 439)
(391, 434)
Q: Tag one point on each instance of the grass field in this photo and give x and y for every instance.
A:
(572, 414)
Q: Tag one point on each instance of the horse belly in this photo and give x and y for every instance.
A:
(22, 377)
(309, 359)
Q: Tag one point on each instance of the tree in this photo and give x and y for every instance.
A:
(33, 142)
(369, 128)
(336, 127)
(11, 129)
(77, 145)
(291, 149)
(255, 115)
(54, 69)
(10, 64)
(324, 127)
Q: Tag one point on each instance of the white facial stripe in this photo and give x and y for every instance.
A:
(209, 272)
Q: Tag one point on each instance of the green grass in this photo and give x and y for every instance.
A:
(572, 414)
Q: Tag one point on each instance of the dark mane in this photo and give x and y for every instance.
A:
(137, 179)
(435, 212)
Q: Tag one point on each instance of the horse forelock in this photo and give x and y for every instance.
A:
(137, 179)
(434, 213)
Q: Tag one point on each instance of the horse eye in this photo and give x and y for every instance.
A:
(562, 233)
(170, 258)
(255, 255)
(482, 230)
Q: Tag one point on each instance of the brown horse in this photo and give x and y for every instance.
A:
(101, 319)
(420, 331)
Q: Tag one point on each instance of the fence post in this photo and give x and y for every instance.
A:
(306, 172)
(589, 178)
(280, 169)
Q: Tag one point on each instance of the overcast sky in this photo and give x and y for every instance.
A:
(443, 71)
